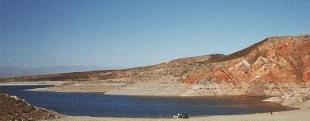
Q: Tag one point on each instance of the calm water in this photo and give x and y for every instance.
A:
(94, 104)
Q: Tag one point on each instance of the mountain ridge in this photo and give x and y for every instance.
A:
(10, 71)
(206, 59)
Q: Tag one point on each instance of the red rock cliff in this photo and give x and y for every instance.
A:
(275, 60)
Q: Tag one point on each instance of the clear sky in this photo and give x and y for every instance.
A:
(128, 33)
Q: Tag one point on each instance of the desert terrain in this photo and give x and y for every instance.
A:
(275, 66)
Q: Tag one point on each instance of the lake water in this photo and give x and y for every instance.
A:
(96, 104)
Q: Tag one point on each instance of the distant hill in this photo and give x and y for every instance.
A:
(14, 71)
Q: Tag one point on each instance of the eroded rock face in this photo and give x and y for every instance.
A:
(274, 66)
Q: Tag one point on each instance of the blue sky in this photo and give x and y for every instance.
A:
(129, 33)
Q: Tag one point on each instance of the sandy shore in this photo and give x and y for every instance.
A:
(295, 115)
(148, 88)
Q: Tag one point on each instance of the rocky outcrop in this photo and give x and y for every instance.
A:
(13, 108)
(274, 66)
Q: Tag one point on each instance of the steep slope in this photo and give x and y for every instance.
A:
(274, 66)
(13, 108)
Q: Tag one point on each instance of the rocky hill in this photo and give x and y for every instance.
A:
(273, 66)
(13, 108)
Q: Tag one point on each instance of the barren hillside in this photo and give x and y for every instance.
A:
(273, 66)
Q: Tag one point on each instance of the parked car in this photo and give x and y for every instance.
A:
(180, 115)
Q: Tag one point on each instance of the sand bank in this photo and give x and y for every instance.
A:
(147, 88)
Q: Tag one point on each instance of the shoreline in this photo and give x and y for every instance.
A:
(300, 114)
(156, 89)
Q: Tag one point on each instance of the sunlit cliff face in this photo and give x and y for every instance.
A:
(274, 60)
